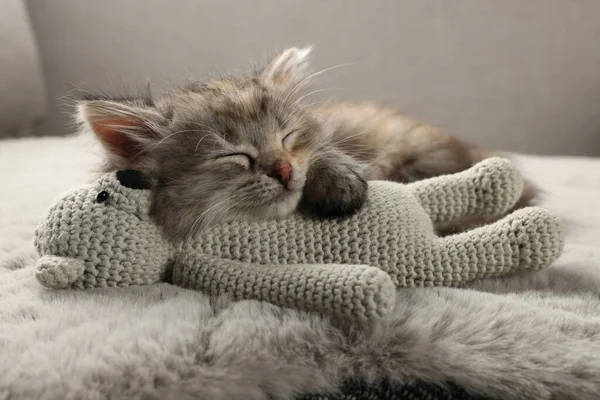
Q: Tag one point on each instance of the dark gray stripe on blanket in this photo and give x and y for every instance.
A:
(357, 390)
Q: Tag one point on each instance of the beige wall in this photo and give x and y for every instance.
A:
(513, 74)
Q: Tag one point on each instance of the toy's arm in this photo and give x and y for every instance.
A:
(59, 272)
(490, 188)
(350, 291)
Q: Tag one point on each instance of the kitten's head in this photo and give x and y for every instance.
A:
(219, 148)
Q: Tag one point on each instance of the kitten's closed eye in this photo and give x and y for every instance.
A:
(243, 159)
(289, 139)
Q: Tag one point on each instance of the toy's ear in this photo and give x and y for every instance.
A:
(133, 179)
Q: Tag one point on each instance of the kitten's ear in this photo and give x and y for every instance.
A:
(126, 129)
(287, 68)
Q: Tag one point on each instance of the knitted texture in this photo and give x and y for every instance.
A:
(348, 267)
(488, 189)
(348, 290)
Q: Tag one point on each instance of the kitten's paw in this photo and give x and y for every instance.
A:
(335, 191)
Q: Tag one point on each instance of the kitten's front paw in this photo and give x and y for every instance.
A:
(335, 191)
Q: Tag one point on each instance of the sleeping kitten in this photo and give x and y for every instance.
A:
(249, 146)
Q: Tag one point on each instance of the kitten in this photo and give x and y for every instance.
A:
(243, 146)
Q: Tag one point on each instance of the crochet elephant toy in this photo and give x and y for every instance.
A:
(101, 235)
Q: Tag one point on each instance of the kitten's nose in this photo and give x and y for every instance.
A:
(282, 171)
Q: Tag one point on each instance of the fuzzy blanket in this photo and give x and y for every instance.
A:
(529, 337)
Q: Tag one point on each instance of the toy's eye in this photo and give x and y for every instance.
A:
(102, 196)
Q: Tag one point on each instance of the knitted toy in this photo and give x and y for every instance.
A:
(101, 235)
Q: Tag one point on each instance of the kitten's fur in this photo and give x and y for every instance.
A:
(224, 148)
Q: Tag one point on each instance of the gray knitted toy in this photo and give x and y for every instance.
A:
(102, 235)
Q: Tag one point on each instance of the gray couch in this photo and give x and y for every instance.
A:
(512, 74)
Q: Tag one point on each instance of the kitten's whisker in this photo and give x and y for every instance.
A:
(347, 138)
(304, 106)
(235, 206)
(199, 141)
(314, 74)
(313, 92)
(353, 146)
(196, 123)
(204, 213)
(170, 135)
(167, 137)
(298, 85)
(320, 143)
(227, 206)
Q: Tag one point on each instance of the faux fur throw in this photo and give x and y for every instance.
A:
(102, 235)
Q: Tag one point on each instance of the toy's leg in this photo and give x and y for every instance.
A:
(489, 188)
(351, 291)
(527, 240)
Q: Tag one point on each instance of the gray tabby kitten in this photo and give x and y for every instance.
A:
(243, 146)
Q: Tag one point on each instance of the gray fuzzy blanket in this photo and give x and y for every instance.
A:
(529, 337)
